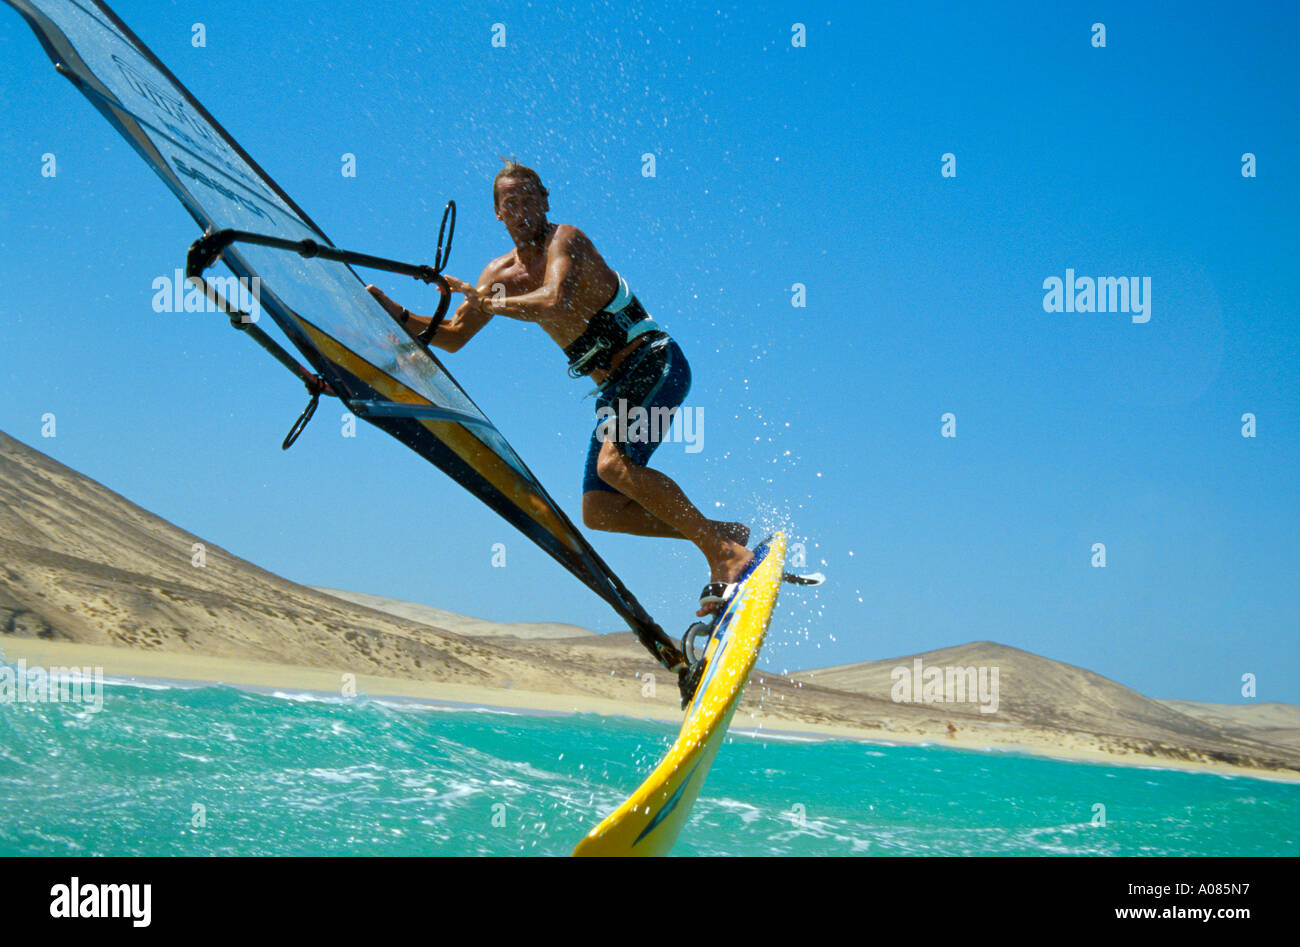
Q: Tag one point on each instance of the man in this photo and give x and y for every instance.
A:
(555, 278)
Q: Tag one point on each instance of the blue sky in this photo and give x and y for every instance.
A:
(775, 166)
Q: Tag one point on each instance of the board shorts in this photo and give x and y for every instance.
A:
(655, 379)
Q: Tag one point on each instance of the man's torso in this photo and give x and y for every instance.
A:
(593, 285)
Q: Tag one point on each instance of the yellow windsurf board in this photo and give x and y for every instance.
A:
(651, 819)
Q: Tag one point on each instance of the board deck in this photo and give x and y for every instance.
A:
(649, 822)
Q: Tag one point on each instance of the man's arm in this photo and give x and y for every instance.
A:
(552, 297)
(454, 332)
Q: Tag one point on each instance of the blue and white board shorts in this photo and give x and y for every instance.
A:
(655, 379)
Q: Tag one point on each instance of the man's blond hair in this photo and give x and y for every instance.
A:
(514, 169)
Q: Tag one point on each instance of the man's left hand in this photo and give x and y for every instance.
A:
(470, 292)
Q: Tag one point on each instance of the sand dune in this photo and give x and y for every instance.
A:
(1039, 695)
(460, 624)
(1273, 722)
(1033, 690)
(89, 578)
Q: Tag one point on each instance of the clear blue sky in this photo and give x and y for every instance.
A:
(775, 166)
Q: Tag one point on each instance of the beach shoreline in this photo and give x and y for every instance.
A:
(170, 668)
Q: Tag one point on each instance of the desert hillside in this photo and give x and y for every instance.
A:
(81, 566)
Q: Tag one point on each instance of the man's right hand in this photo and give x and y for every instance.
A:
(390, 307)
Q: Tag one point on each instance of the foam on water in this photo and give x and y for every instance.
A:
(214, 770)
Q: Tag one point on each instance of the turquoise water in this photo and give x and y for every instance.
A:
(214, 770)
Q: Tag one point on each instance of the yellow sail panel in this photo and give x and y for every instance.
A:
(482, 458)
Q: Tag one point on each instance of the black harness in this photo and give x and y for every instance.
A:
(605, 336)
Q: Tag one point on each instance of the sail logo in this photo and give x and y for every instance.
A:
(207, 181)
(945, 684)
(168, 107)
(1129, 294)
(190, 130)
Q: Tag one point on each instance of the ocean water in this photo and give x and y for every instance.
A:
(213, 770)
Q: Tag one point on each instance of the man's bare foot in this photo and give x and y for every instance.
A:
(727, 561)
(736, 532)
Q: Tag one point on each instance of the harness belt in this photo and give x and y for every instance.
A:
(608, 332)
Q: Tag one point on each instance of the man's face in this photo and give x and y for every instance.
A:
(522, 207)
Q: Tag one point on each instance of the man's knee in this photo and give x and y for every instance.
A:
(596, 509)
(611, 465)
(604, 510)
(591, 517)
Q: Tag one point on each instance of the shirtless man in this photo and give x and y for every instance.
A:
(555, 278)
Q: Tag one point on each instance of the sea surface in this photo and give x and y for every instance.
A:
(171, 769)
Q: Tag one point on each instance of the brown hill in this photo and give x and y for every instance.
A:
(79, 563)
(1038, 693)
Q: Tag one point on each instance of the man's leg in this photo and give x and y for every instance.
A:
(659, 383)
(616, 513)
(658, 495)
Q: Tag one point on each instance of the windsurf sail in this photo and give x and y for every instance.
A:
(312, 294)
